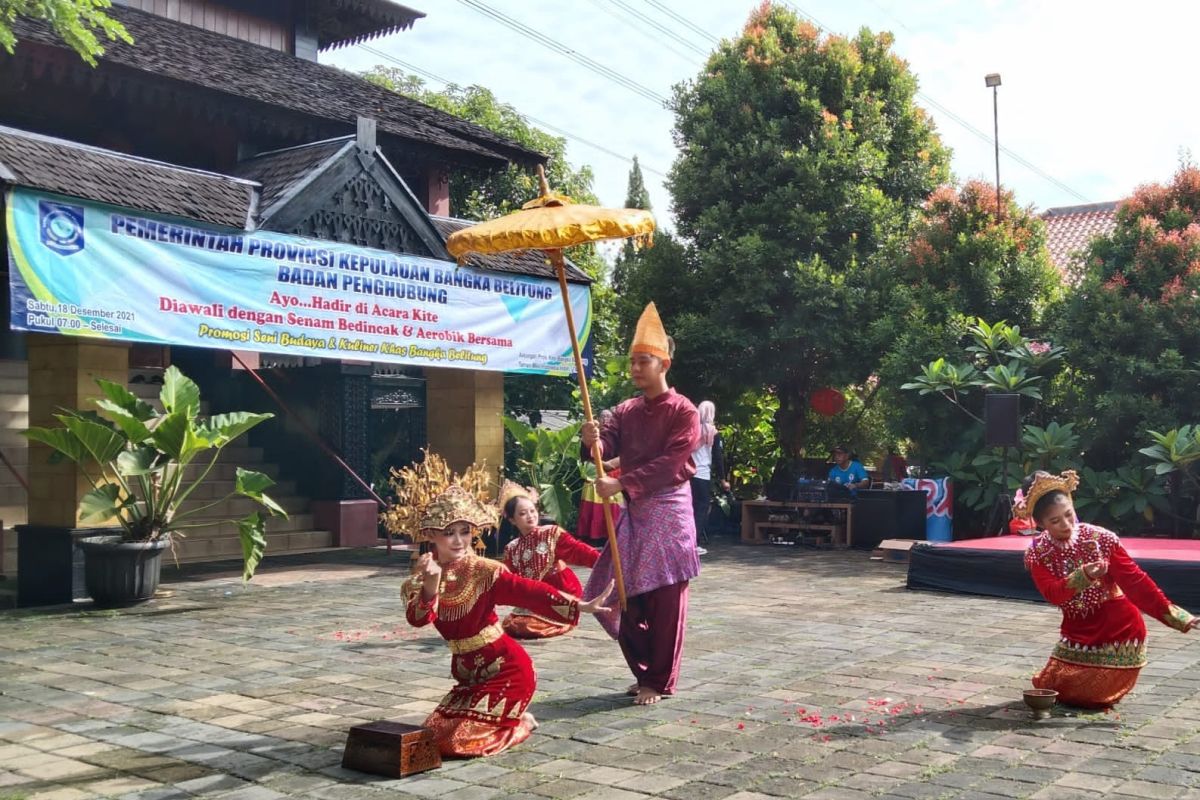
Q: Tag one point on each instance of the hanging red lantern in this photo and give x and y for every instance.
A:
(827, 402)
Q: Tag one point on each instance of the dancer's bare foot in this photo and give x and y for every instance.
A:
(530, 722)
(646, 696)
(633, 687)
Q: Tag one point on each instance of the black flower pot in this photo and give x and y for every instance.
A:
(119, 573)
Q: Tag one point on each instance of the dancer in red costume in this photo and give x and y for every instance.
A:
(540, 553)
(485, 713)
(1084, 570)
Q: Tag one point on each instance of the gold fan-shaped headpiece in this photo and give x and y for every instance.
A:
(420, 485)
(1043, 484)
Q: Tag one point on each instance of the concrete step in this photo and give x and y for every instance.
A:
(14, 368)
(14, 420)
(226, 467)
(12, 437)
(13, 514)
(241, 506)
(217, 548)
(14, 401)
(294, 522)
(12, 495)
(212, 488)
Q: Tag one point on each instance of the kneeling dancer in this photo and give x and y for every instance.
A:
(540, 553)
(1084, 570)
(458, 591)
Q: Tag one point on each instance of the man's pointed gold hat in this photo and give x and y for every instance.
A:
(650, 337)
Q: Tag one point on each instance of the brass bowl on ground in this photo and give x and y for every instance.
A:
(1040, 701)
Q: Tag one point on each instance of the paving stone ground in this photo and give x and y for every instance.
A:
(806, 673)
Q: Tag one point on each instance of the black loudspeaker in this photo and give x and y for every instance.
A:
(1002, 418)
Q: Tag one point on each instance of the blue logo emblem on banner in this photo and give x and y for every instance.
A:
(61, 226)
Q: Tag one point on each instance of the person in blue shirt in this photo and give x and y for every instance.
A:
(847, 472)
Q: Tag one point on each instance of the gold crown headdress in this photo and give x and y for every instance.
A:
(419, 485)
(1043, 485)
(511, 489)
(456, 504)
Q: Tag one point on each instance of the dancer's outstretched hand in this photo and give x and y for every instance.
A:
(596, 604)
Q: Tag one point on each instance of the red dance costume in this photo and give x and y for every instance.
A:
(484, 713)
(1103, 645)
(543, 555)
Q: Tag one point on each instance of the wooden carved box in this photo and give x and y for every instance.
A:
(392, 749)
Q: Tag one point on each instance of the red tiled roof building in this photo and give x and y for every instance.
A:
(1070, 229)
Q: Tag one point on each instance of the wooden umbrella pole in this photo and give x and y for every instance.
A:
(556, 258)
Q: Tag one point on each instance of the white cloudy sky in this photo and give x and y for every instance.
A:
(1099, 96)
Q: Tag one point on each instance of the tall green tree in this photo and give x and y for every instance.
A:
(802, 157)
(1133, 322)
(636, 195)
(75, 21)
(963, 262)
(482, 195)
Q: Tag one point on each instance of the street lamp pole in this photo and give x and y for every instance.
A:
(992, 79)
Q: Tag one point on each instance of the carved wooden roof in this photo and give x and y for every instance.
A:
(346, 22)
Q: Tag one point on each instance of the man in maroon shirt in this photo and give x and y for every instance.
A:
(654, 436)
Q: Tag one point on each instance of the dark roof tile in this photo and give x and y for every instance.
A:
(77, 170)
(220, 63)
(281, 171)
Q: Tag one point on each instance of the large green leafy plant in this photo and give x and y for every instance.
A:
(137, 460)
(549, 461)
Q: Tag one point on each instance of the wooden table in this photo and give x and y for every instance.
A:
(755, 513)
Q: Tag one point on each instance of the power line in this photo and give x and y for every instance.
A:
(658, 26)
(887, 11)
(684, 21)
(558, 47)
(603, 6)
(534, 120)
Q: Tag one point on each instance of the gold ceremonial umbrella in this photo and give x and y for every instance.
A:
(550, 223)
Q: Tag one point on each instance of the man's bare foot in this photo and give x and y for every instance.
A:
(633, 689)
(646, 696)
(530, 722)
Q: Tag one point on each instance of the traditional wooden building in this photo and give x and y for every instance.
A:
(220, 114)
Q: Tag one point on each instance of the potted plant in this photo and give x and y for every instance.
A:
(137, 461)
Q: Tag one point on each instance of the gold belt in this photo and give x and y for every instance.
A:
(485, 637)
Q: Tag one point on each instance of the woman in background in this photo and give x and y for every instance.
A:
(709, 458)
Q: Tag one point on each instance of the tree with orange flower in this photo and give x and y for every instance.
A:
(803, 157)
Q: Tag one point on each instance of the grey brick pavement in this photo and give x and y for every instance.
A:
(806, 674)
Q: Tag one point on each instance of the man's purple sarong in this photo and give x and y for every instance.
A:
(657, 540)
